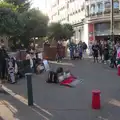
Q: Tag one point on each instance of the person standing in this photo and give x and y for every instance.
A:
(3, 56)
(100, 51)
(95, 49)
(71, 49)
(80, 49)
(113, 58)
(30, 61)
(59, 51)
(106, 52)
(90, 49)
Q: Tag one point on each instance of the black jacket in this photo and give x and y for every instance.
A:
(3, 55)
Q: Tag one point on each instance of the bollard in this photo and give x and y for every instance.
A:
(118, 70)
(29, 88)
(96, 99)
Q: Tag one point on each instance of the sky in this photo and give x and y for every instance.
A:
(41, 4)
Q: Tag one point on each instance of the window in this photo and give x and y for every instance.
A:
(100, 7)
(92, 9)
(116, 5)
(107, 5)
(72, 1)
(79, 10)
(87, 10)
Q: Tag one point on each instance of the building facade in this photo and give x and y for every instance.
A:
(90, 18)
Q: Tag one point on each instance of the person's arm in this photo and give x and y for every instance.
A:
(93, 47)
(6, 54)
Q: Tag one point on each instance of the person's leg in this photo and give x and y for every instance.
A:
(105, 57)
(115, 64)
(97, 59)
(94, 59)
(3, 72)
(71, 54)
(0, 73)
(60, 58)
(101, 56)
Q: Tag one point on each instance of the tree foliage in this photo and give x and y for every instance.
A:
(68, 31)
(5, 5)
(21, 5)
(55, 31)
(9, 24)
(19, 22)
(35, 24)
(58, 31)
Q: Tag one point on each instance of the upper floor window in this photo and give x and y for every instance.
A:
(62, 8)
(71, 0)
(116, 4)
(107, 5)
(92, 9)
(87, 10)
(100, 7)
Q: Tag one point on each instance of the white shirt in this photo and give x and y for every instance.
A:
(40, 55)
(28, 57)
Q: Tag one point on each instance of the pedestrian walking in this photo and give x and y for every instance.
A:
(95, 49)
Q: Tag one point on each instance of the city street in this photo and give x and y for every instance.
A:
(64, 103)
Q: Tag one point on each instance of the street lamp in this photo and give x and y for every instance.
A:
(112, 20)
(111, 28)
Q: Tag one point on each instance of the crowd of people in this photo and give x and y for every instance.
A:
(77, 50)
(101, 49)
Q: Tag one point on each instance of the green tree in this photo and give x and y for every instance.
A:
(21, 5)
(55, 31)
(58, 31)
(67, 31)
(35, 25)
(9, 24)
(21, 24)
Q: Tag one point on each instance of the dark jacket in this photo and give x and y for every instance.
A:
(95, 49)
(3, 55)
(106, 49)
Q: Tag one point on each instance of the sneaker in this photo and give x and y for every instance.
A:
(105, 63)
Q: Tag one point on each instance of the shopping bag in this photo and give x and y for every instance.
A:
(46, 65)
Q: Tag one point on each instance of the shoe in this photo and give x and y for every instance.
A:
(105, 63)
(13, 82)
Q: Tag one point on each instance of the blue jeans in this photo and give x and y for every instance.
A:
(71, 53)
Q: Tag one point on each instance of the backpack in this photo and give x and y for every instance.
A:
(52, 77)
(84, 46)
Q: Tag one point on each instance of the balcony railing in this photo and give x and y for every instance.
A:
(107, 12)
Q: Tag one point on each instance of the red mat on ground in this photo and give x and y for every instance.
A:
(68, 81)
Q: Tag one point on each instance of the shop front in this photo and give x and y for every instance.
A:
(103, 30)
